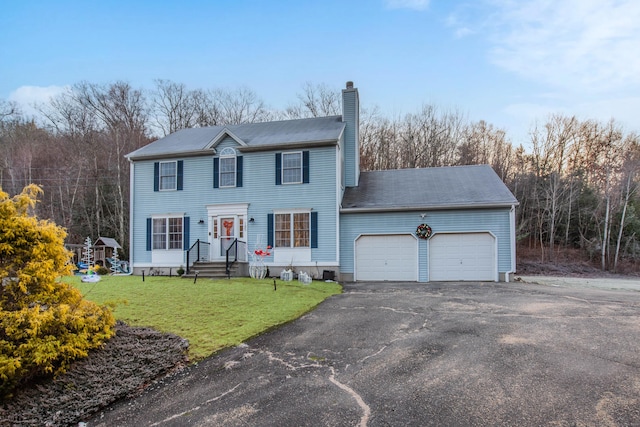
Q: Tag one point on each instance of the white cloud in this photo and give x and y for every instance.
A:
(28, 97)
(463, 32)
(577, 44)
(408, 4)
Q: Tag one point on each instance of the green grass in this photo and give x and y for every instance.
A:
(211, 314)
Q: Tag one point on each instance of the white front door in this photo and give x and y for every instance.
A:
(226, 224)
(227, 233)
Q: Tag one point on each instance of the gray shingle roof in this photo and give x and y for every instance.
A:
(254, 135)
(428, 188)
(107, 241)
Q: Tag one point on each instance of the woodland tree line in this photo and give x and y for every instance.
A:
(577, 183)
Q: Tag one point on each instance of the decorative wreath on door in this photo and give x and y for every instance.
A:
(423, 231)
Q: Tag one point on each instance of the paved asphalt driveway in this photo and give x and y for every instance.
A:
(389, 354)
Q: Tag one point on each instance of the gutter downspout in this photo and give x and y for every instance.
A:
(512, 231)
(131, 248)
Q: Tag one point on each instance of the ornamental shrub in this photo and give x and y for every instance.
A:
(45, 324)
(102, 271)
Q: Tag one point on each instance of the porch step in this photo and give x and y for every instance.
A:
(214, 270)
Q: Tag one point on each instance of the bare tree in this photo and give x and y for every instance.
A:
(630, 170)
(9, 110)
(175, 107)
(315, 101)
(241, 105)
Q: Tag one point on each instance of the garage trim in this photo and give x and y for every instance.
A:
(494, 272)
(416, 272)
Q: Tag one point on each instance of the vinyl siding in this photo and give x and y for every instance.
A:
(258, 190)
(494, 220)
(351, 145)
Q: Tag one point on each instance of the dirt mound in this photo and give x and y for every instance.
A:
(527, 267)
(128, 362)
(569, 262)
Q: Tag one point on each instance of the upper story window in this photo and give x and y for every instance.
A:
(292, 168)
(168, 175)
(228, 167)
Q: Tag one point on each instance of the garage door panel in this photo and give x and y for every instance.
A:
(462, 256)
(386, 257)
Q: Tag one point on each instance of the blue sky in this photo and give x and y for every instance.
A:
(509, 62)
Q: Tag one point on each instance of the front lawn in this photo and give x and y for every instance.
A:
(211, 314)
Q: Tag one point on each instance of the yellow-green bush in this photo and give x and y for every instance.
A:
(44, 324)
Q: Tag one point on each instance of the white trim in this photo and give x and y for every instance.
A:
(292, 210)
(227, 209)
(220, 136)
(131, 211)
(292, 256)
(230, 152)
(512, 232)
(169, 215)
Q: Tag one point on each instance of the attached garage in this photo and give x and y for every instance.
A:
(462, 256)
(469, 212)
(387, 257)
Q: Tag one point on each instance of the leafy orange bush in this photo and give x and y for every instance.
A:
(44, 324)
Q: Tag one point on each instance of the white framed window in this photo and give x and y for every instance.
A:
(292, 168)
(167, 233)
(168, 176)
(228, 167)
(293, 230)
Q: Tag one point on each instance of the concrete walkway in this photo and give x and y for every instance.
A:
(395, 354)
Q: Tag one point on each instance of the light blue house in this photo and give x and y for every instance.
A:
(295, 187)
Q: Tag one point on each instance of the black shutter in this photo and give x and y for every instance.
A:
(149, 233)
(216, 172)
(239, 171)
(270, 230)
(278, 168)
(305, 167)
(156, 176)
(180, 170)
(185, 233)
(314, 229)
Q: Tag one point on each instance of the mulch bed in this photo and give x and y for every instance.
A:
(129, 362)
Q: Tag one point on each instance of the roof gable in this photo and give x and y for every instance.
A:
(107, 241)
(429, 188)
(225, 132)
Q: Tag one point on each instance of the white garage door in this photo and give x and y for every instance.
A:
(387, 257)
(462, 256)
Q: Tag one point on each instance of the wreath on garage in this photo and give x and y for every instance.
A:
(423, 231)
